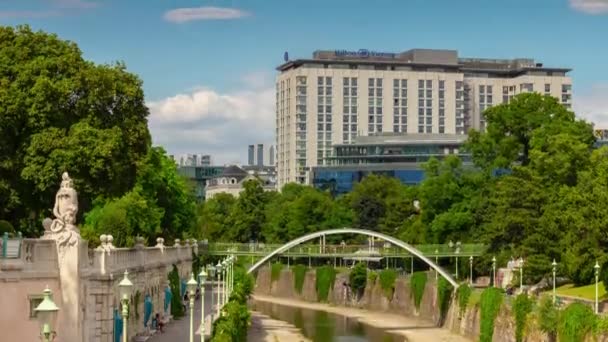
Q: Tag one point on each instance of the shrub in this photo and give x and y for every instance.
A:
(491, 299)
(232, 325)
(6, 227)
(548, 316)
(372, 276)
(358, 278)
(575, 322)
(177, 309)
(387, 282)
(444, 290)
(418, 283)
(275, 271)
(326, 275)
(522, 306)
(464, 293)
(299, 274)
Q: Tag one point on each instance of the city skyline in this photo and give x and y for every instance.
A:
(208, 93)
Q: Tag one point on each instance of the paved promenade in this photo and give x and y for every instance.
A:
(179, 330)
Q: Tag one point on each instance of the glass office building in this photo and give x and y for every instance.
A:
(394, 155)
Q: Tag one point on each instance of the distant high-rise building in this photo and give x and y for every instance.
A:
(250, 154)
(194, 160)
(260, 155)
(271, 155)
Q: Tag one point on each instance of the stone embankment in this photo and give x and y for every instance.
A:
(401, 303)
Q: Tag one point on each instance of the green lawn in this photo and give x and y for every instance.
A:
(586, 292)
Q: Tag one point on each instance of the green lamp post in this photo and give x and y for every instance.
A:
(191, 286)
(203, 277)
(125, 288)
(218, 267)
(225, 275)
(46, 312)
(211, 272)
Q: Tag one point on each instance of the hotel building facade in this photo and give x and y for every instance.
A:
(339, 95)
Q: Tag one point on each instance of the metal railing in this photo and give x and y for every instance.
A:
(429, 250)
(11, 246)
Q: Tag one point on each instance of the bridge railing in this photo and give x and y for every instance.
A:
(430, 250)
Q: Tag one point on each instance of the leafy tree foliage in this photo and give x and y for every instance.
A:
(59, 112)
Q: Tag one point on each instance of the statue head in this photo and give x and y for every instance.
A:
(66, 181)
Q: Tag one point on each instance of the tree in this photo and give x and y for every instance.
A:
(511, 127)
(214, 217)
(60, 113)
(247, 217)
(368, 200)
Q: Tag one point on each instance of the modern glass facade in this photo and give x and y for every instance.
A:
(342, 181)
(199, 175)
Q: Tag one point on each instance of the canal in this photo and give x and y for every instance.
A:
(321, 326)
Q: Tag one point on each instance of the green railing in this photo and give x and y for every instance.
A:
(11, 246)
(440, 251)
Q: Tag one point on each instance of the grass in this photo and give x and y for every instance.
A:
(586, 292)
(475, 297)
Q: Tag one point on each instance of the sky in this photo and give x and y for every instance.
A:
(208, 67)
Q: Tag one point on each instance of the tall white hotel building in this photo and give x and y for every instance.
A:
(339, 95)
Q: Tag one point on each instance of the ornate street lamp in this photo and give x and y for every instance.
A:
(225, 275)
(191, 286)
(554, 264)
(494, 271)
(436, 262)
(211, 272)
(597, 278)
(125, 288)
(457, 253)
(218, 267)
(46, 312)
(203, 277)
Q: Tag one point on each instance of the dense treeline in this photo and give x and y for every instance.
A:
(538, 189)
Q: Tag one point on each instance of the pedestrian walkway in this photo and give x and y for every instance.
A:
(179, 330)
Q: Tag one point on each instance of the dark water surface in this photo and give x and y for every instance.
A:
(321, 326)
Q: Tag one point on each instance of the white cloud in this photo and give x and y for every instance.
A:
(590, 6)
(182, 15)
(592, 104)
(210, 122)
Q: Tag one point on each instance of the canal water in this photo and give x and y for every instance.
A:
(321, 326)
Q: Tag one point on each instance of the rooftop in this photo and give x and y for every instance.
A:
(421, 58)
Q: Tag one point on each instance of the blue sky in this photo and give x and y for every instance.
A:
(208, 66)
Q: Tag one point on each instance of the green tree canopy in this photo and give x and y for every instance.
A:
(59, 112)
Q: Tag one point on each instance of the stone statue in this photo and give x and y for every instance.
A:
(63, 228)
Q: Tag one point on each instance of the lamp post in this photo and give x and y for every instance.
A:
(554, 264)
(597, 278)
(203, 276)
(436, 261)
(218, 267)
(225, 274)
(125, 288)
(211, 271)
(457, 253)
(521, 274)
(494, 271)
(471, 270)
(46, 312)
(191, 285)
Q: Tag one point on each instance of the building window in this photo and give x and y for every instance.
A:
(34, 300)
(350, 108)
(375, 103)
(425, 106)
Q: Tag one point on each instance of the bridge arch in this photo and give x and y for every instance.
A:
(384, 237)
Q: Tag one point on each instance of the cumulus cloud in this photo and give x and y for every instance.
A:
(590, 6)
(182, 15)
(210, 122)
(592, 105)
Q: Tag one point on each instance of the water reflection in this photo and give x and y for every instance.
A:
(320, 326)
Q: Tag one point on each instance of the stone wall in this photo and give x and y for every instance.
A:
(25, 277)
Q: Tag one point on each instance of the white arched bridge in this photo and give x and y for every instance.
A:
(320, 234)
